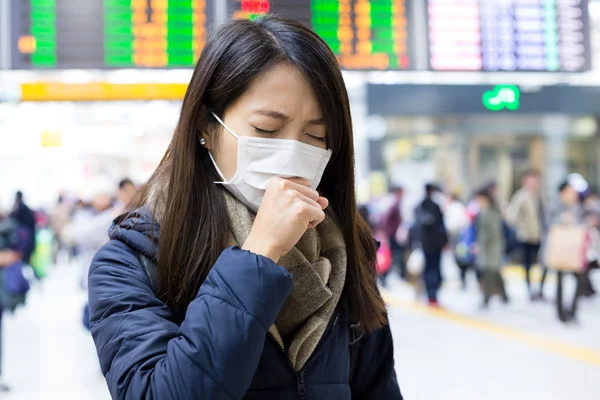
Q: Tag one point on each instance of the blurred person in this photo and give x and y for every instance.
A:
(455, 216)
(14, 242)
(592, 208)
(526, 213)
(456, 219)
(592, 215)
(23, 215)
(433, 237)
(60, 223)
(568, 211)
(89, 228)
(389, 223)
(494, 193)
(490, 246)
(246, 249)
(415, 263)
(126, 192)
(511, 242)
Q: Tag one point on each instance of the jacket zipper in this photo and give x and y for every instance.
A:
(282, 350)
(300, 374)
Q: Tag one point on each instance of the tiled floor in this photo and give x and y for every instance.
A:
(519, 352)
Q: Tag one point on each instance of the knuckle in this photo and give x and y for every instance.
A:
(321, 215)
(292, 196)
(300, 208)
(283, 183)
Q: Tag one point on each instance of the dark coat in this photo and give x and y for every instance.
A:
(221, 350)
(26, 219)
(391, 219)
(430, 220)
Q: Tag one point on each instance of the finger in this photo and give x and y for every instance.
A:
(311, 215)
(290, 184)
(299, 181)
(323, 202)
(314, 224)
(301, 197)
(316, 216)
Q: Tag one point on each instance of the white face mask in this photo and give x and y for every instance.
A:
(260, 159)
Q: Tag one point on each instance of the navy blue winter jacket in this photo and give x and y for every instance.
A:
(222, 349)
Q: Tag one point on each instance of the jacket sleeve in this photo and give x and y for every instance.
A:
(375, 376)
(213, 354)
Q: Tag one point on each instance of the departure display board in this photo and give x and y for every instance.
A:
(463, 35)
(364, 34)
(509, 35)
(368, 35)
(61, 34)
(108, 33)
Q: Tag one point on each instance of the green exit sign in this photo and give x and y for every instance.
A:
(501, 97)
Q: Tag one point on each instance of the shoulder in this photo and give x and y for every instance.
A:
(519, 195)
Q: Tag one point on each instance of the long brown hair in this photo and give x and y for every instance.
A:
(194, 223)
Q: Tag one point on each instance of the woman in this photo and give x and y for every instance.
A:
(490, 246)
(457, 221)
(567, 212)
(245, 305)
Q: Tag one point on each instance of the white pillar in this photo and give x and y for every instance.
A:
(356, 84)
(220, 11)
(5, 37)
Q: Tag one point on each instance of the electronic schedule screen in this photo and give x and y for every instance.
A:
(99, 34)
(108, 33)
(364, 34)
(509, 35)
(459, 35)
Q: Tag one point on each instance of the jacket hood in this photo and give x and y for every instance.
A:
(139, 230)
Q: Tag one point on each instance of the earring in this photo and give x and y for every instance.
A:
(202, 141)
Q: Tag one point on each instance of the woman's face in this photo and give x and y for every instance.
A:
(570, 195)
(280, 104)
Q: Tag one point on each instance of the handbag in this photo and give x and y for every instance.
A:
(384, 257)
(566, 248)
(14, 280)
(416, 262)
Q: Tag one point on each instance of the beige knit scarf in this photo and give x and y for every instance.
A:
(318, 263)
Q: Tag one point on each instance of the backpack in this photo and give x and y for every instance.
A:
(355, 332)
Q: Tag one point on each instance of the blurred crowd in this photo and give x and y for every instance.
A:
(31, 241)
(484, 234)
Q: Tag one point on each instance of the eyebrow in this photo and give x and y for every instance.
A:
(278, 115)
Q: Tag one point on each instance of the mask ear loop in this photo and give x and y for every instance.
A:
(210, 154)
(224, 126)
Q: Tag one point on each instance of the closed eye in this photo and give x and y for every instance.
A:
(318, 138)
(265, 132)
